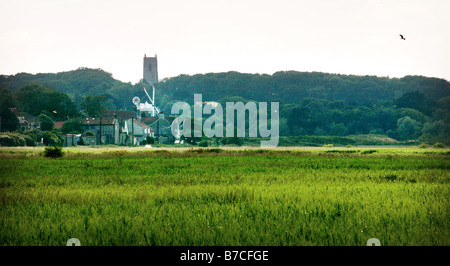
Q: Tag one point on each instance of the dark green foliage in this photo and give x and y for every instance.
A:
(9, 121)
(36, 98)
(390, 177)
(232, 141)
(94, 106)
(150, 140)
(72, 126)
(51, 138)
(341, 151)
(53, 152)
(415, 100)
(368, 151)
(46, 122)
(29, 141)
(7, 99)
(292, 87)
(11, 139)
(203, 143)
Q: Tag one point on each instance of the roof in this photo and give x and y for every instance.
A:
(96, 121)
(58, 125)
(26, 116)
(14, 110)
(140, 123)
(149, 120)
(121, 115)
(170, 119)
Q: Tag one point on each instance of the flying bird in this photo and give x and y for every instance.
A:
(401, 36)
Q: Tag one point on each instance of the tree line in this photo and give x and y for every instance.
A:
(311, 103)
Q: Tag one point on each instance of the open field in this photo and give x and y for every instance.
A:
(381, 149)
(230, 196)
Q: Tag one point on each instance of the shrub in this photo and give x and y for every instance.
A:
(89, 133)
(368, 151)
(203, 143)
(50, 138)
(349, 146)
(233, 140)
(11, 139)
(53, 152)
(340, 151)
(439, 145)
(423, 146)
(328, 145)
(28, 140)
(215, 150)
(150, 140)
(6, 140)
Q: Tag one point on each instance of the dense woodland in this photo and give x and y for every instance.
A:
(311, 103)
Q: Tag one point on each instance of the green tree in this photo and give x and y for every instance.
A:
(9, 121)
(7, 99)
(36, 98)
(434, 128)
(413, 114)
(93, 106)
(337, 129)
(408, 128)
(360, 120)
(51, 138)
(444, 103)
(72, 126)
(415, 100)
(46, 122)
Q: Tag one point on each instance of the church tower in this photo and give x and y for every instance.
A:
(151, 69)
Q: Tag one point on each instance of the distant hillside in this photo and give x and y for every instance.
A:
(82, 80)
(76, 83)
(285, 86)
(292, 86)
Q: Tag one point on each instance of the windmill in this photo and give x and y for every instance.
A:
(146, 107)
(136, 101)
(151, 99)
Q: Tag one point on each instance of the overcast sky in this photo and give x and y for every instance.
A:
(253, 36)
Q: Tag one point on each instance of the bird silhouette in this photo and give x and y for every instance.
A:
(401, 36)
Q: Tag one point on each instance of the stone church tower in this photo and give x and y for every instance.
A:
(151, 69)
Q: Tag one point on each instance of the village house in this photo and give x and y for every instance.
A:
(105, 129)
(121, 116)
(137, 129)
(161, 127)
(26, 121)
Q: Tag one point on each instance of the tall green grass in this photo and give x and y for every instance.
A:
(216, 197)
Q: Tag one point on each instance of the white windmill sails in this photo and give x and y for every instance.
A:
(147, 107)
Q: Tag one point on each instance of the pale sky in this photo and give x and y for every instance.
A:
(358, 37)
